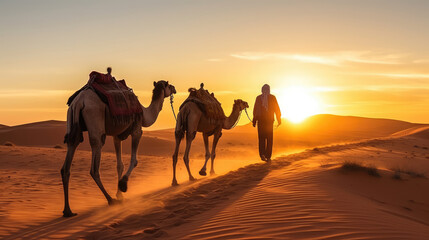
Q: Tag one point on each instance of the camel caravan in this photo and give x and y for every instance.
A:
(107, 107)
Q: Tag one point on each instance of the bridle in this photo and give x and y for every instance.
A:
(248, 115)
(172, 108)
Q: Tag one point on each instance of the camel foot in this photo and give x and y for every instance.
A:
(119, 196)
(174, 183)
(122, 185)
(69, 214)
(203, 172)
(212, 173)
(192, 178)
(113, 202)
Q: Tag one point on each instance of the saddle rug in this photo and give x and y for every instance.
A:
(207, 103)
(123, 104)
(116, 94)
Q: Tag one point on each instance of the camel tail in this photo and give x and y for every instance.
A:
(180, 125)
(74, 133)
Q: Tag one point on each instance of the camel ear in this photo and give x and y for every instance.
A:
(154, 83)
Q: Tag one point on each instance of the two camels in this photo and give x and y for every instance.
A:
(191, 120)
(88, 110)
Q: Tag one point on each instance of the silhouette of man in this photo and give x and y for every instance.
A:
(263, 115)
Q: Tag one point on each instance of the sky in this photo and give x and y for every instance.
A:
(363, 58)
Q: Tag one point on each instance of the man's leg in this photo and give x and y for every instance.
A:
(269, 137)
(261, 138)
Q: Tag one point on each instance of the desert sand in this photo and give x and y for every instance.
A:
(305, 193)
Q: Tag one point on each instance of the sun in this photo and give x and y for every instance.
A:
(298, 103)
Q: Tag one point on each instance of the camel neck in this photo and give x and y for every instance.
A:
(232, 118)
(150, 114)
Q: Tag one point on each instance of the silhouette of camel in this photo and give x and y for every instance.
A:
(88, 109)
(191, 120)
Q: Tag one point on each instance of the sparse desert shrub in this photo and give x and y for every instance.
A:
(352, 166)
(372, 171)
(415, 174)
(410, 173)
(358, 167)
(7, 143)
(397, 175)
(58, 146)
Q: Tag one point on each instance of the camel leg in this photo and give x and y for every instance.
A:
(175, 154)
(216, 138)
(189, 138)
(206, 145)
(123, 183)
(65, 175)
(119, 164)
(96, 141)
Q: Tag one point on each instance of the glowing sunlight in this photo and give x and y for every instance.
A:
(298, 103)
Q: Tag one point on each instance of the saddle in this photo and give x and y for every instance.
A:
(116, 94)
(206, 102)
(123, 104)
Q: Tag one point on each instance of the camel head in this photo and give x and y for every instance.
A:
(240, 104)
(163, 87)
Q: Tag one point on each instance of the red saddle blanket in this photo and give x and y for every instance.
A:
(207, 103)
(121, 100)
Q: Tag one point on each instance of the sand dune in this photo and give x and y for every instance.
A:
(299, 196)
(31, 197)
(51, 133)
(315, 131)
(416, 131)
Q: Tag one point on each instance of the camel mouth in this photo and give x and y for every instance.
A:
(246, 105)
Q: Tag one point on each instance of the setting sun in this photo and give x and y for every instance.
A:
(298, 103)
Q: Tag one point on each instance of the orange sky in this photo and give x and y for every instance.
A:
(364, 58)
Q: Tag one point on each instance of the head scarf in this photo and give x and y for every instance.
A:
(265, 94)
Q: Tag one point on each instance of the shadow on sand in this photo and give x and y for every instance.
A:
(152, 212)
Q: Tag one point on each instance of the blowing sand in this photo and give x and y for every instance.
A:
(301, 196)
(305, 195)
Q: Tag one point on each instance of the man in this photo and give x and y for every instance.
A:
(263, 115)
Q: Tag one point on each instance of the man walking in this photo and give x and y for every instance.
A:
(263, 115)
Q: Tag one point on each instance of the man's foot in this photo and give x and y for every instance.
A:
(68, 213)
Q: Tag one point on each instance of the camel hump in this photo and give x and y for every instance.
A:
(207, 102)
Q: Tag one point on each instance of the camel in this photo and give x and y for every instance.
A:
(88, 110)
(191, 120)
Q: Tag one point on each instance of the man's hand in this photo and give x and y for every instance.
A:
(279, 122)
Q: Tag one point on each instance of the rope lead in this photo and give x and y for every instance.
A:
(172, 108)
(248, 115)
